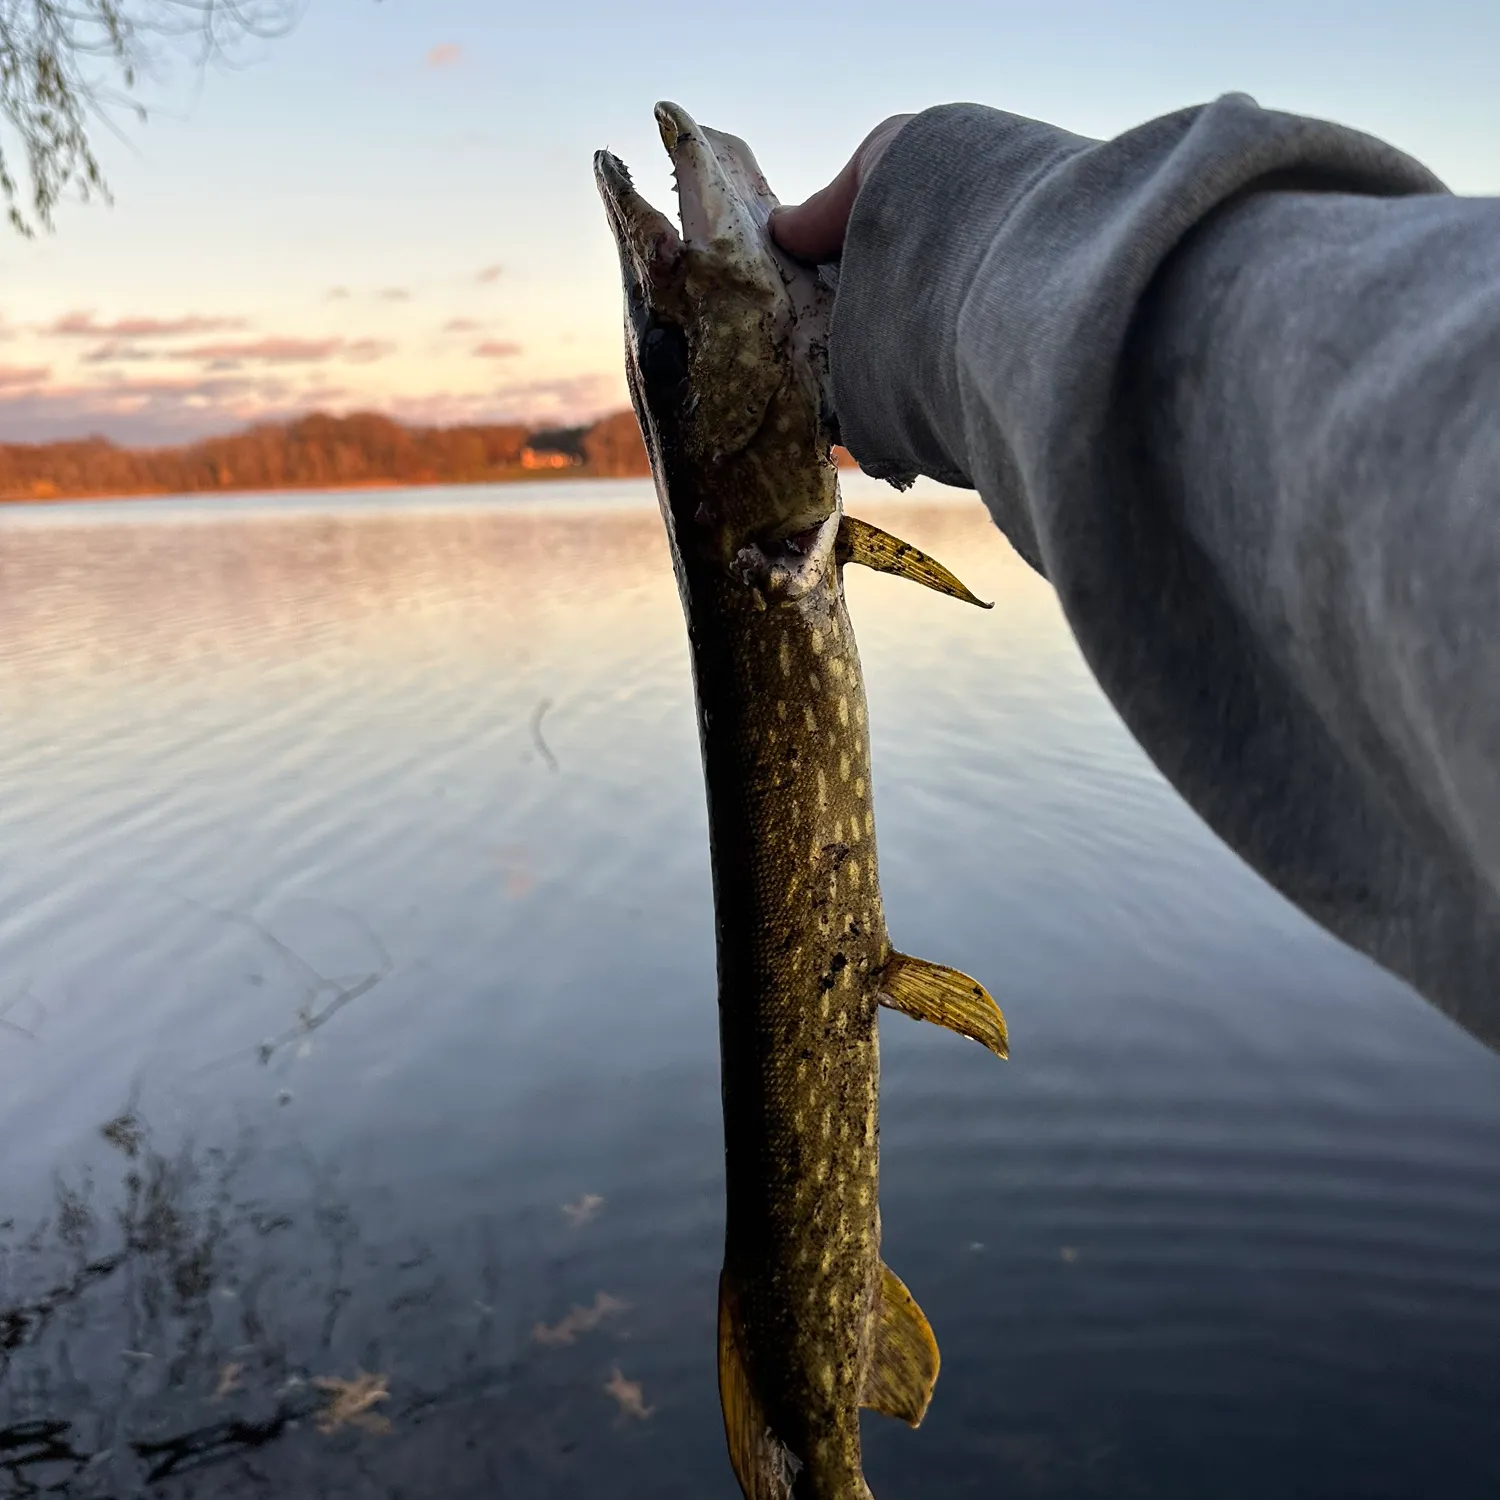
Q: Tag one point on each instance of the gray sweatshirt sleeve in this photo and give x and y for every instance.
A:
(1232, 383)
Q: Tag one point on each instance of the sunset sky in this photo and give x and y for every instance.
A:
(392, 208)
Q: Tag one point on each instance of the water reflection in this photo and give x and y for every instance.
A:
(165, 1319)
(1230, 1226)
(167, 1269)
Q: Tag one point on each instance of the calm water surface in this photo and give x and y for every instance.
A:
(357, 1024)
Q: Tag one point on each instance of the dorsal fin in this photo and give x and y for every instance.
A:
(904, 1362)
(758, 1457)
(946, 997)
(860, 542)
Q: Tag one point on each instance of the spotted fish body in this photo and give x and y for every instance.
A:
(727, 368)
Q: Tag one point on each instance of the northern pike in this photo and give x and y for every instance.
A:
(726, 358)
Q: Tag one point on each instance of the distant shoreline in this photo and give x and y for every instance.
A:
(318, 452)
(524, 476)
(363, 450)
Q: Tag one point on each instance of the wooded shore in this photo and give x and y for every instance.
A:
(322, 452)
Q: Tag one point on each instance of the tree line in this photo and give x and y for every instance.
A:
(325, 452)
(320, 451)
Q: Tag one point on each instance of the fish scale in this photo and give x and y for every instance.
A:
(726, 358)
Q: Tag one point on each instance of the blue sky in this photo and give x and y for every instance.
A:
(392, 208)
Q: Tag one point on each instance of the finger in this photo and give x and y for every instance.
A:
(814, 231)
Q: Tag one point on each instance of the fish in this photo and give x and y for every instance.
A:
(726, 358)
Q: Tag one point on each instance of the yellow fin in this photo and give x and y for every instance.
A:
(859, 542)
(930, 992)
(756, 1454)
(904, 1363)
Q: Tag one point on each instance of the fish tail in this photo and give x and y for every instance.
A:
(760, 1460)
(832, 1469)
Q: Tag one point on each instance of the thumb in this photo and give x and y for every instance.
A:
(814, 231)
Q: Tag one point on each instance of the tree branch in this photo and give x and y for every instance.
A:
(65, 64)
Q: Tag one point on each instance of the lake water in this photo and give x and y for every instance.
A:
(357, 1024)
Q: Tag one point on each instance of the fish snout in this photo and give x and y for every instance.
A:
(647, 239)
(723, 196)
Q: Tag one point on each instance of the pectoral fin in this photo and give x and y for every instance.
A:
(930, 992)
(904, 1364)
(859, 542)
(756, 1454)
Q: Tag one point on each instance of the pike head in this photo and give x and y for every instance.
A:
(726, 356)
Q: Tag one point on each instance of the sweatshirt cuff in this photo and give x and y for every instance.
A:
(980, 228)
(923, 222)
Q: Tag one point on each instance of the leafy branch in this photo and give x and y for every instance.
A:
(68, 64)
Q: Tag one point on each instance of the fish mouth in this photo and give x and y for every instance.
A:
(723, 200)
(722, 327)
(647, 239)
(722, 194)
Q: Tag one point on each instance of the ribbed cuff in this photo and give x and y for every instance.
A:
(922, 225)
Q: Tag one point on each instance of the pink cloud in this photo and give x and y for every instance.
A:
(124, 394)
(146, 410)
(444, 55)
(314, 396)
(497, 349)
(461, 325)
(490, 274)
(574, 397)
(560, 400)
(83, 325)
(118, 352)
(275, 351)
(22, 375)
(366, 351)
(287, 351)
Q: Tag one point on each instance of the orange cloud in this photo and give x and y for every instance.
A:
(444, 55)
(81, 325)
(490, 273)
(497, 349)
(462, 325)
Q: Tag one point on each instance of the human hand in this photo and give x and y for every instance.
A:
(814, 231)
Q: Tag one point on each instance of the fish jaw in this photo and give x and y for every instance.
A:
(726, 352)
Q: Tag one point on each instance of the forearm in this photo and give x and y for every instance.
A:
(1316, 385)
(1243, 428)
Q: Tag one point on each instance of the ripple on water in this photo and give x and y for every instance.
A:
(357, 846)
